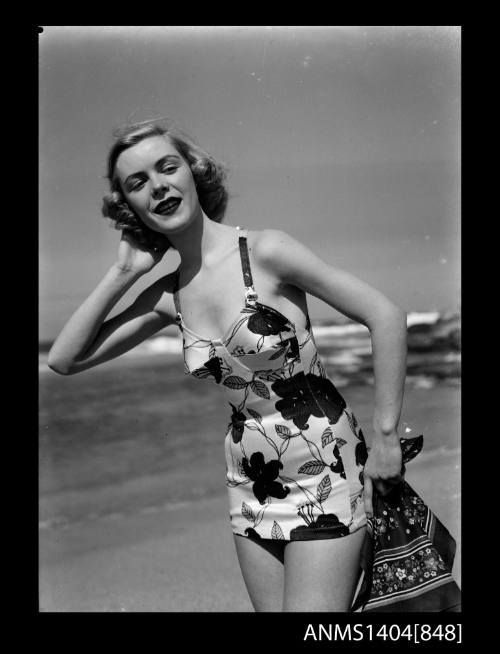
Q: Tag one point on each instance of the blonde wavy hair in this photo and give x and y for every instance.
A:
(209, 177)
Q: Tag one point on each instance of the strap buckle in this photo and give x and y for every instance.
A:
(251, 295)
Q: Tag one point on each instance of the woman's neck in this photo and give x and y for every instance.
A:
(198, 240)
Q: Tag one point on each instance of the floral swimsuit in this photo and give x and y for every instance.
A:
(294, 450)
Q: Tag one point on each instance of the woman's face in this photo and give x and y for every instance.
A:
(158, 184)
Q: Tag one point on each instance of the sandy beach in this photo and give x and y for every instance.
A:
(123, 525)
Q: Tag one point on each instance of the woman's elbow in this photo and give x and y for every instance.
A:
(389, 315)
(397, 318)
(58, 365)
(398, 314)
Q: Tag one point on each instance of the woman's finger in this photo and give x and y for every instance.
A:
(368, 497)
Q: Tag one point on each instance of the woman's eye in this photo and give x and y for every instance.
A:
(136, 186)
(169, 169)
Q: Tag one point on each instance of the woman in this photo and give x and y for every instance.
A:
(299, 477)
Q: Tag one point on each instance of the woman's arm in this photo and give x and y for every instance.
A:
(86, 340)
(293, 263)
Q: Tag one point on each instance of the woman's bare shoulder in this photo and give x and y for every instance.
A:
(268, 243)
(273, 248)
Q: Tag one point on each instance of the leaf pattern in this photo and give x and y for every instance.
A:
(311, 468)
(321, 369)
(247, 512)
(252, 427)
(327, 437)
(255, 415)
(279, 352)
(269, 375)
(355, 500)
(313, 448)
(235, 382)
(283, 431)
(324, 489)
(284, 446)
(354, 421)
(277, 532)
(260, 515)
(353, 424)
(232, 484)
(260, 389)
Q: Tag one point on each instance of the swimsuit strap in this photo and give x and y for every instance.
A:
(177, 301)
(250, 294)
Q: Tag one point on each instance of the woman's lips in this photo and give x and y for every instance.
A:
(167, 207)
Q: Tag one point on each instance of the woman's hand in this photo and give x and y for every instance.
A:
(383, 468)
(135, 258)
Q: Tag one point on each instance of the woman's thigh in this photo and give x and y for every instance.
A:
(262, 566)
(321, 575)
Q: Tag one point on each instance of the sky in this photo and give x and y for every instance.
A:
(347, 138)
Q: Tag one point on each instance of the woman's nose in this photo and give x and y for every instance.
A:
(159, 187)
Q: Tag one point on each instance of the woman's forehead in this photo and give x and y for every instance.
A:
(144, 154)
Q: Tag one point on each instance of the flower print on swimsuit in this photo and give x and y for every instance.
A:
(292, 351)
(296, 403)
(263, 475)
(255, 518)
(328, 523)
(237, 424)
(338, 466)
(252, 534)
(361, 451)
(305, 395)
(289, 350)
(215, 367)
(325, 525)
(327, 396)
(266, 321)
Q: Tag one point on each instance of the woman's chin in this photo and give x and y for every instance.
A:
(166, 225)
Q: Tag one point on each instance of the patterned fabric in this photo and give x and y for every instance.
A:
(294, 450)
(407, 555)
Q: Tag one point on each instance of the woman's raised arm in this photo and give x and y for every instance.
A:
(87, 339)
